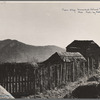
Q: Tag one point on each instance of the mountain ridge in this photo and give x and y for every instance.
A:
(16, 51)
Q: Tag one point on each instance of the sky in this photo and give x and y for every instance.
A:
(50, 23)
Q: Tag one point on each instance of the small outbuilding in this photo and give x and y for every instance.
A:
(89, 49)
(62, 68)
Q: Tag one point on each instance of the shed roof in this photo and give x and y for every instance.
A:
(70, 56)
(64, 57)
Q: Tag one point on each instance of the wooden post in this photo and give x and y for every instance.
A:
(48, 76)
(34, 82)
(61, 72)
(10, 83)
(78, 70)
(28, 82)
(69, 72)
(73, 71)
(13, 87)
(3, 80)
(25, 82)
(19, 83)
(58, 73)
(7, 82)
(84, 65)
(92, 64)
(16, 83)
(42, 79)
(88, 65)
(64, 73)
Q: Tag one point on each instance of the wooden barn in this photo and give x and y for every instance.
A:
(89, 49)
(62, 68)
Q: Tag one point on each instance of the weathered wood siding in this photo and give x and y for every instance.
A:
(25, 79)
(61, 73)
(18, 79)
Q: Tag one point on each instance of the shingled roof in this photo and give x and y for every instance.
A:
(85, 47)
(64, 57)
(83, 44)
(70, 56)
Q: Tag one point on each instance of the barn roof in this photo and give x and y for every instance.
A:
(70, 56)
(64, 57)
(82, 44)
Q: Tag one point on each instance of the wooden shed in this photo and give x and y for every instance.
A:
(89, 49)
(62, 68)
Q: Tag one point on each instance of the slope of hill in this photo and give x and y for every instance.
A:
(15, 51)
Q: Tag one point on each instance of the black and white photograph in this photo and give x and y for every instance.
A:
(49, 49)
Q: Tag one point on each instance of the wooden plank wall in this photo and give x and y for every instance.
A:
(25, 79)
(18, 80)
(61, 73)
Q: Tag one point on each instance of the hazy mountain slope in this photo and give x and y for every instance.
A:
(15, 51)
